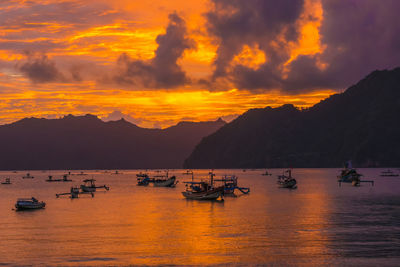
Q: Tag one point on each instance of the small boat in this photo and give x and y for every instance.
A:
(389, 173)
(203, 190)
(29, 204)
(7, 181)
(89, 186)
(64, 179)
(230, 183)
(81, 173)
(266, 173)
(350, 175)
(28, 176)
(117, 172)
(165, 182)
(287, 181)
(74, 193)
(143, 179)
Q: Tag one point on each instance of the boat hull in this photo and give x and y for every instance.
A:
(288, 184)
(208, 195)
(165, 183)
(88, 189)
(35, 206)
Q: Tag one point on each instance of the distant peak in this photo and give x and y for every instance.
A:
(220, 120)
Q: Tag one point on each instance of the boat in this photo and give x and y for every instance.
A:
(29, 204)
(287, 181)
(143, 179)
(74, 193)
(266, 173)
(350, 175)
(28, 176)
(89, 186)
(389, 173)
(203, 190)
(230, 183)
(64, 179)
(163, 180)
(6, 181)
(117, 172)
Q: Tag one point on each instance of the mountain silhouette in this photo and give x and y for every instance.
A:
(361, 124)
(86, 142)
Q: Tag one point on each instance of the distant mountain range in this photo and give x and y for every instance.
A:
(86, 142)
(361, 124)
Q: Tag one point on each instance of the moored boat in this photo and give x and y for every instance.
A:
(230, 183)
(29, 204)
(165, 182)
(266, 173)
(90, 186)
(6, 181)
(389, 173)
(64, 179)
(203, 190)
(143, 179)
(28, 176)
(287, 181)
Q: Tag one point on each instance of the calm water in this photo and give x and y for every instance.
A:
(319, 223)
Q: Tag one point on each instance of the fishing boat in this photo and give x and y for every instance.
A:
(64, 179)
(165, 181)
(203, 190)
(230, 183)
(74, 193)
(266, 173)
(6, 181)
(29, 204)
(28, 176)
(143, 179)
(389, 173)
(90, 186)
(350, 175)
(287, 181)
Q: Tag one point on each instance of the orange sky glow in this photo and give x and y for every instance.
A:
(86, 53)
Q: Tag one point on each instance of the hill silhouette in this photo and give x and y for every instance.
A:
(361, 124)
(86, 142)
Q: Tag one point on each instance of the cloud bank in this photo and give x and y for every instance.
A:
(163, 70)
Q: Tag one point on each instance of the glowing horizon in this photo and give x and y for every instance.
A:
(161, 63)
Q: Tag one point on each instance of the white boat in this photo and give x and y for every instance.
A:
(29, 204)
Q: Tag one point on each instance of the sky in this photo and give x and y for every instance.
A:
(156, 63)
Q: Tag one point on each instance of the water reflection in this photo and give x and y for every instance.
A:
(319, 223)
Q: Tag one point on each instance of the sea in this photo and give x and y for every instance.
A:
(318, 224)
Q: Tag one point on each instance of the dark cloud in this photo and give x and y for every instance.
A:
(236, 23)
(162, 71)
(40, 69)
(358, 37)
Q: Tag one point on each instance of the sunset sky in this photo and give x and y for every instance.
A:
(159, 62)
